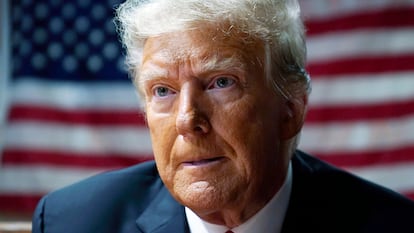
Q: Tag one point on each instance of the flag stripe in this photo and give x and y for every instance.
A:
(25, 178)
(316, 114)
(354, 136)
(65, 159)
(71, 95)
(19, 112)
(18, 202)
(78, 138)
(359, 90)
(322, 114)
(394, 176)
(388, 17)
(323, 10)
(348, 44)
(368, 158)
(410, 194)
(361, 65)
(105, 161)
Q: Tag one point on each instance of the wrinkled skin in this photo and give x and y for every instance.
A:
(215, 124)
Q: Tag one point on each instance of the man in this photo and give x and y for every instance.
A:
(225, 94)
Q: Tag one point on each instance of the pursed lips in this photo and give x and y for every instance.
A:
(202, 162)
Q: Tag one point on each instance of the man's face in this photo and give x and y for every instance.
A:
(215, 125)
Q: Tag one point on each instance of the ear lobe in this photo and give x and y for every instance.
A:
(294, 117)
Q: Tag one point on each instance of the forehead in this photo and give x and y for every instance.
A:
(208, 48)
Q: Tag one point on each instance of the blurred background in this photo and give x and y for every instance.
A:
(68, 109)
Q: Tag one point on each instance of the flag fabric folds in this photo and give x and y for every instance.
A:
(73, 112)
(361, 114)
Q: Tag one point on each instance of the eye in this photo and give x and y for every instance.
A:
(162, 91)
(222, 82)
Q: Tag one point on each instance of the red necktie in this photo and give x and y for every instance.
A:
(228, 231)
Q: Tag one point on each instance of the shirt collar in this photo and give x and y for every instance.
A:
(268, 219)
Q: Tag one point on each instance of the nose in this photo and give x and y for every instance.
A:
(191, 120)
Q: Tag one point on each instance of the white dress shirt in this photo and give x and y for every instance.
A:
(268, 219)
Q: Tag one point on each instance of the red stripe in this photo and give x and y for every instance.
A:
(368, 158)
(349, 113)
(64, 159)
(342, 159)
(78, 116)
(362, 65)
(19, 203)
(409, 194)
(315, 114)
(389, 18)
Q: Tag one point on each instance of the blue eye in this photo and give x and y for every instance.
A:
(223, 82)
(161, 91)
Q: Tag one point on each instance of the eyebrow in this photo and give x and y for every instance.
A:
(217, 63)
(153, 72)
(210, 64)
(149, 74)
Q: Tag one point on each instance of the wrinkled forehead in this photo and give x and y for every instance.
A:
(205, 45)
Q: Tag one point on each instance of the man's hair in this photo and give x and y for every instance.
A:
(277, 23)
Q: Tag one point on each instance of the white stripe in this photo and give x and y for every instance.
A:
(323, 9)
(68, 138)
(355, 136)
(71, 95)
(366, 42)
(394, 176)
(362, 89)
(39, 179)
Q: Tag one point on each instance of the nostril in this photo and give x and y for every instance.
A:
(202, 125)
(198, 129)
(192, 123)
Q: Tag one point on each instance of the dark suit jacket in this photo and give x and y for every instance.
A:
(323, 199)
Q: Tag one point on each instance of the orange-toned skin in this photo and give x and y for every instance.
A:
(215, 124)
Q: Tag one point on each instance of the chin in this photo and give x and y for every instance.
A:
(201, 197)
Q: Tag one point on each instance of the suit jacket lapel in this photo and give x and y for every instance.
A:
(297, 216)
(163, 215)
(310, 207)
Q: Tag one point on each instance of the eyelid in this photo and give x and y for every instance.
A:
(229, 77)
(150, 84)
(154, 89)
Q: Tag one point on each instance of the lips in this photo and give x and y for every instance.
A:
(203, 161)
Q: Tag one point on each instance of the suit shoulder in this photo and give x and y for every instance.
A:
(121, 177)
(334, 179)
(112, 189)
(330, 193)
(108, 197)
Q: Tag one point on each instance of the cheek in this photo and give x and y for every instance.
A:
(248, 118)
(163, 134)
(251, 129)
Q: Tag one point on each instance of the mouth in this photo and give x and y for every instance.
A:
(202, 162)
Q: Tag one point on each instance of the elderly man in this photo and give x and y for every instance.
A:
(225, 93)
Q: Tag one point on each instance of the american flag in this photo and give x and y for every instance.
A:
(70, 110)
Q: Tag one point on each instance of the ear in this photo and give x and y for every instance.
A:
(294, 117)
